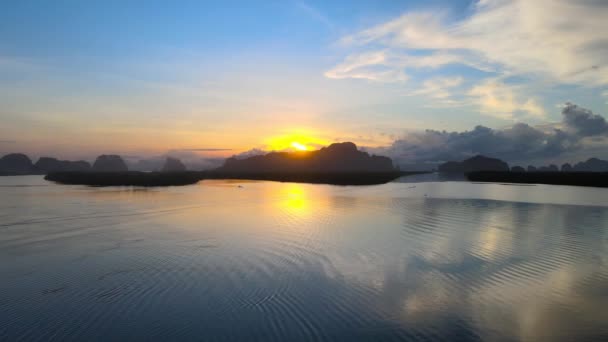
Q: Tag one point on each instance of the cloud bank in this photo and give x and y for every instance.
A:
(580, 131)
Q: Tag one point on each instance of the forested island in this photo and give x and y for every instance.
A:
(338, 164)
(592, 172)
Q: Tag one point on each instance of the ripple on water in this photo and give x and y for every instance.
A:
(274, 261)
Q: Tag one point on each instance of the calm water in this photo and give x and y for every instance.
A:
(279, 261)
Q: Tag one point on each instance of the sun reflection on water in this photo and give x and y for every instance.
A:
(295, 199)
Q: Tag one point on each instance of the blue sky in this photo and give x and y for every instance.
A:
(144, 77)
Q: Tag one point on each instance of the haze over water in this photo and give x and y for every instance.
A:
(228, 260)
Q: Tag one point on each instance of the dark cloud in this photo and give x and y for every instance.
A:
(518, 143)
(583, 122)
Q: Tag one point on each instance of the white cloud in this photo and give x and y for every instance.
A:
(419, 30)
(500, 100)
(552, 41)
(439, 88)
(389, 66)
(562, 40)
(374, 65)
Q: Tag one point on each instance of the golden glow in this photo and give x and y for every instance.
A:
(299, 146)
(296, 198)
(300, 141)
(292, 198)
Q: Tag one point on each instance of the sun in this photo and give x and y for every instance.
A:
(298, 146)
(299, 140)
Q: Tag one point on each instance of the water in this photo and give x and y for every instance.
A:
(226, 260)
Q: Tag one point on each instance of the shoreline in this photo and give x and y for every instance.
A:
(149, 179)
(587, 179)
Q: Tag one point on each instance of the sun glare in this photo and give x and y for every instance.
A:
(298, 146)
(298, 141)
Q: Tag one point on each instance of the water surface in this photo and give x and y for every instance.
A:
(238, 260)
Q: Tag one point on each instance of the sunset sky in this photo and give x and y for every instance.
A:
(80, 78)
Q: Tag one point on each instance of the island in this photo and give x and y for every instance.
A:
(109, 163)
(173, 165)
(335, 158)
(48, 164)
(15, 164)
(592, 172)
(476, 163)
(337, 164)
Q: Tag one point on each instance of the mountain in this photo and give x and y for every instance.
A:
(149, 164)
(550, 168)
(48, 164)
(338, 157)
(156, 163)
(16, 164)
(173, 165)
(109, 163)
(591, 165)
(477, 163)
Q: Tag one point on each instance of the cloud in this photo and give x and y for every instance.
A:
(421, 30)
(388, 66)
(8, 141)
(438, 88)
(550, 41)
(566, 44)
(520, 142)
(497, 99)
(583, 122)
(374, 66)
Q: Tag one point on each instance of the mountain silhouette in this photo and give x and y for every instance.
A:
(591, 165)
(109, 163)
(16, 164)
(48, 164)
(338, 157)
(173, 165)
(476, 163)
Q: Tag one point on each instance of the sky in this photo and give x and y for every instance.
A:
(419, 81)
